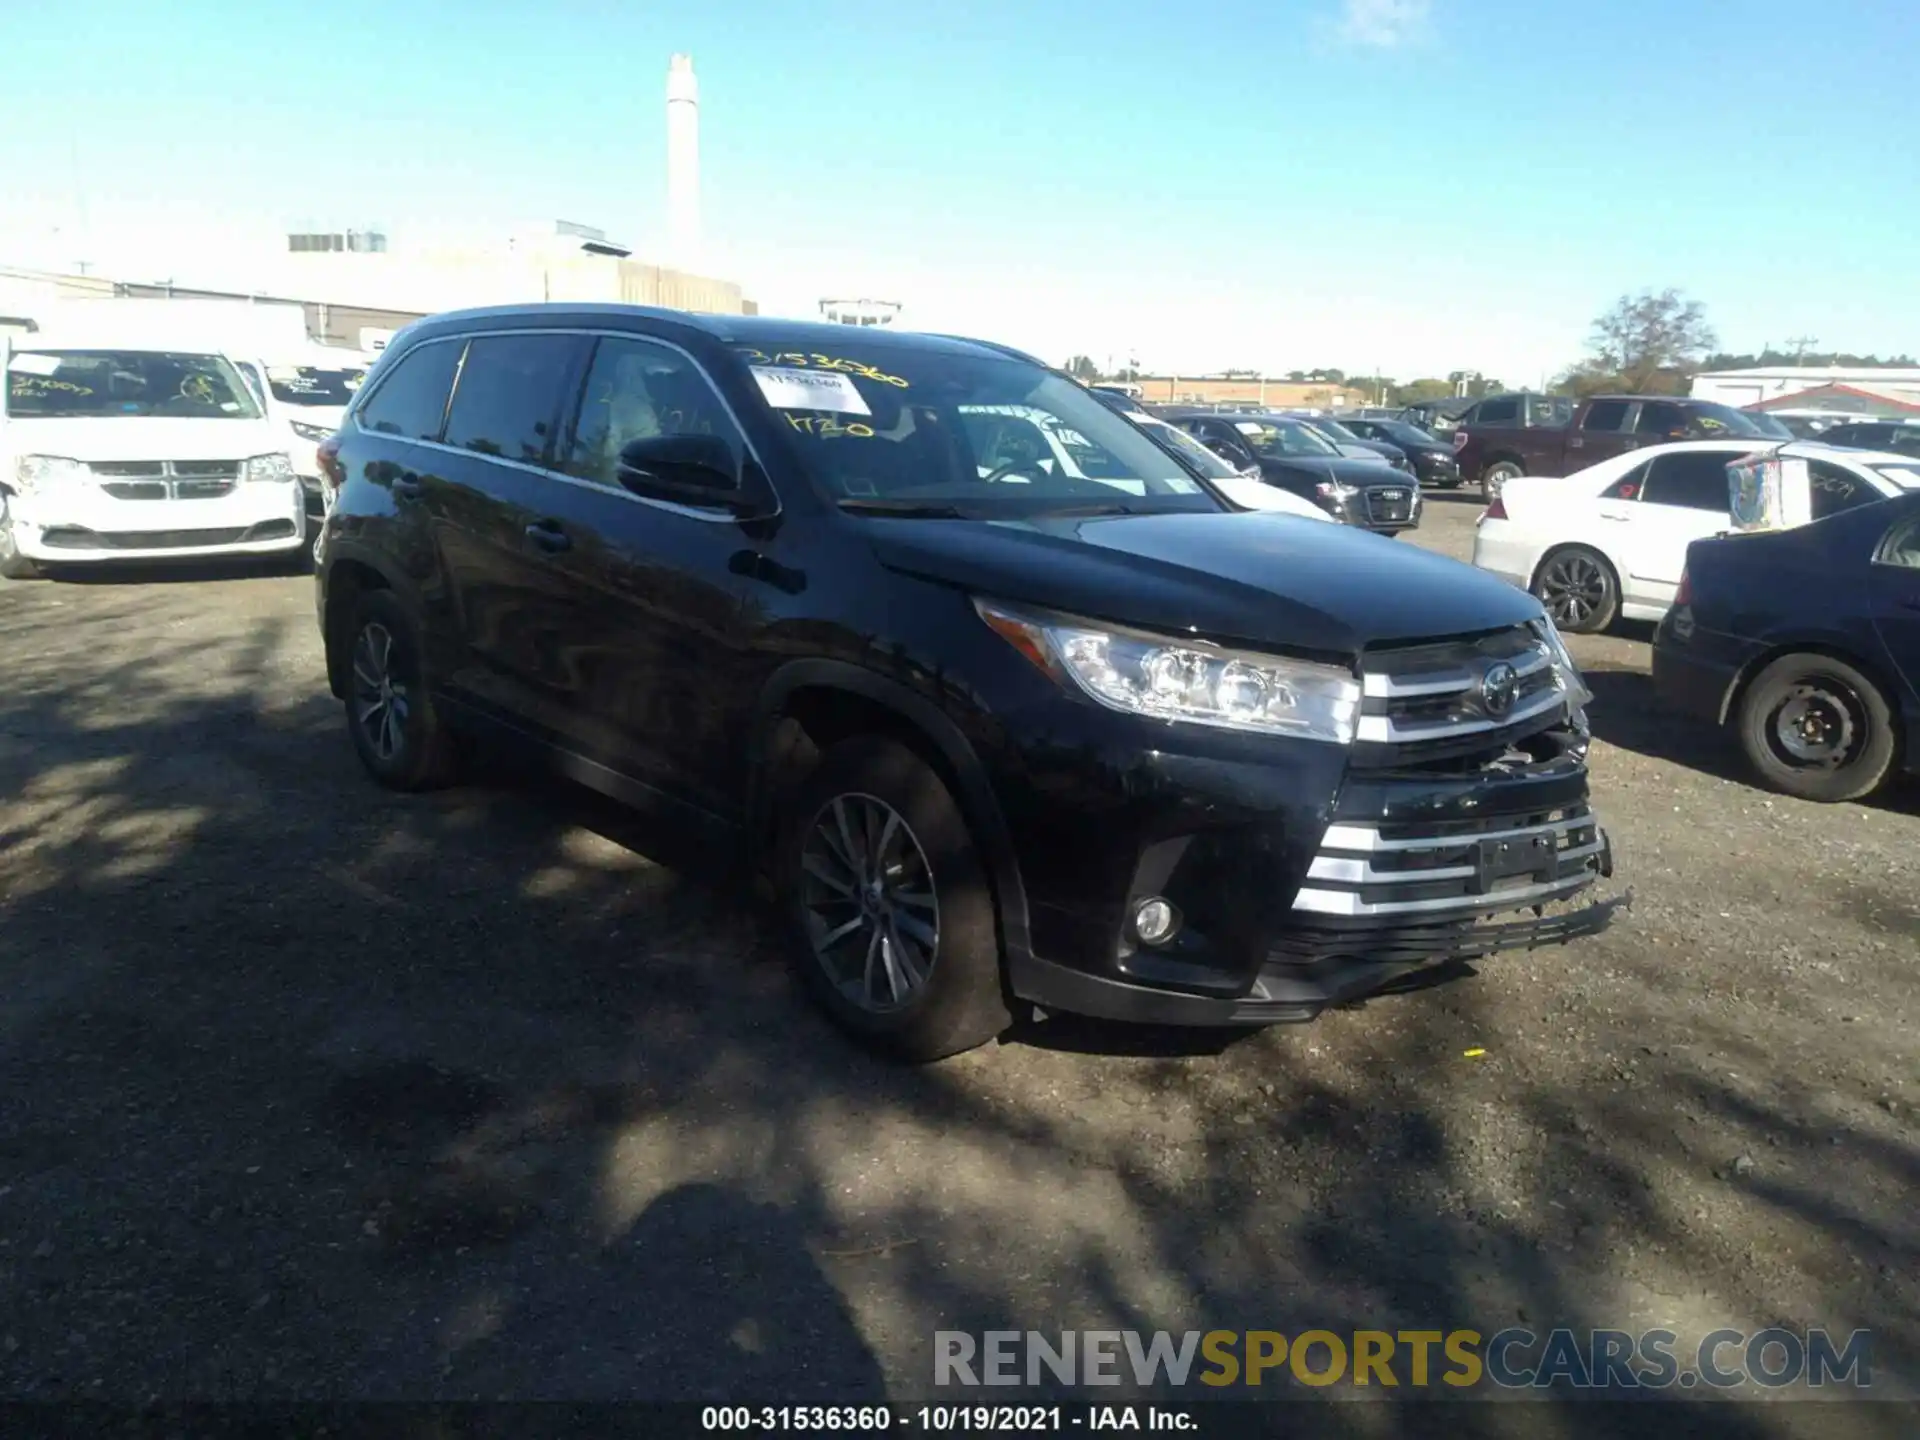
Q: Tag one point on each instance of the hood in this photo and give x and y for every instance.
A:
(1250, 492)
(1328, 467)
(141, 437)
(327, 417)
(1272, 581)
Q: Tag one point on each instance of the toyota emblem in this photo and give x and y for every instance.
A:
(1499, 688)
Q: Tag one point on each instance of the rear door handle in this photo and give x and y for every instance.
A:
(407, 486)
(548, 535)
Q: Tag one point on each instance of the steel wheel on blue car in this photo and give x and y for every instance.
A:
(390, 714)
(1815, 727)
(891, 912)
(1578, 589)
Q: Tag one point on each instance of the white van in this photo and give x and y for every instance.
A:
(305, 392)
(133, 451)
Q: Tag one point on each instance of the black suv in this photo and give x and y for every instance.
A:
(1293, 455)
(997, 699)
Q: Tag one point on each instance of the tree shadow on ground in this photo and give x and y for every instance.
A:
(319, 1092)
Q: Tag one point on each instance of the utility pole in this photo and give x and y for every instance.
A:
(1801, 344)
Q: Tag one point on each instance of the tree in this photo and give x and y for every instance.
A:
(1082, 368)
(1768, 355)
(1241, 374)
(1414, 391)
(1646, 344)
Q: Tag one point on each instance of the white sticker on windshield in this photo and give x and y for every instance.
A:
(1247, 427)
(26, 363)
(788, 389)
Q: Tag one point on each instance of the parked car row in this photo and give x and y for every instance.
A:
(128, 433)
(1802, 637)
(1003, 701)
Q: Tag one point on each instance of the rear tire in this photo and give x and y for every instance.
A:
(1816, 728)
(13, 565)
(889, 911)
(1497, 475)
(396, 731)
(1579, 589)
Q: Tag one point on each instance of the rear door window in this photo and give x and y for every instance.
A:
(1691, 481)
(1504, 411)
(1549, 412)
(1628, 486)
(411, 400)
(507, 403)
(1608, 415)
(1659, 418)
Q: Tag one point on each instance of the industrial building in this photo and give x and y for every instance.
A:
(1887, 390)
(357, 284)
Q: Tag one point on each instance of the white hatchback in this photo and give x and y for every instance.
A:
(1611, 541)
(114, 453)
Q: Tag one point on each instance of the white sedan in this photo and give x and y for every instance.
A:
(1611, 540)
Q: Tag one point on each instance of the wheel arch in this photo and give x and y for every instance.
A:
(1606, 557)
(808, 705)
(345, 579)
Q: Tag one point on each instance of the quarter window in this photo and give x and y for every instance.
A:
(1628, 486)
(1833, 489)
(509, 395)
(412, 400)
(1691, 481)
(1902, 545)
(636, 389)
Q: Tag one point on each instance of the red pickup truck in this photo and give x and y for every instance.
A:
(1507, 435)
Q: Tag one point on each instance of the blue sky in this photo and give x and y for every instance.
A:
(1417, 184)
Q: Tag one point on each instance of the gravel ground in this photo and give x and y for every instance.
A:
(314, 1091)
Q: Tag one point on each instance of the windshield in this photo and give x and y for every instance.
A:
(314, 385)
(1335, 429)
(1271, 439)
(97, 384)
(1187, 448)
(1718, 419)
(930, 431)
(1767, 425)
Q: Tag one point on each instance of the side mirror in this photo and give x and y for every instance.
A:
(690, 469)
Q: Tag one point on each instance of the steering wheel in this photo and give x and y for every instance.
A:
(1030, 468)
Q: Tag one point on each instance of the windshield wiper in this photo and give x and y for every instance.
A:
(918, 509)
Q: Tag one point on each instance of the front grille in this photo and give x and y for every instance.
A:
(167, 479)
(1452, 870)
(1384, 510)
(78, 537)
(1451, 698)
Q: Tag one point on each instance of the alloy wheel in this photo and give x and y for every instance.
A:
(1573, 588)
(380, 700)
(868, 899)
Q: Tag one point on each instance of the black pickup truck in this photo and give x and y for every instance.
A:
(1507, 435)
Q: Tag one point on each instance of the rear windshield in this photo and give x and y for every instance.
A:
(899, 426)
(101, 384)
(312, 385)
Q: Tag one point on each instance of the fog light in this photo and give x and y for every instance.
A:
(1155, 921)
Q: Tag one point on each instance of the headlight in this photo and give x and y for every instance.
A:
(1189, 680)
(309, 432)
(1336, 490)
(268, 467)
(41, 472)
(1565, 672)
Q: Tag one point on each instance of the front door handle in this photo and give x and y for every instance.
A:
(406, 486)
(548, 535)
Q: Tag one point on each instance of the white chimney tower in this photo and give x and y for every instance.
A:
(683, 164)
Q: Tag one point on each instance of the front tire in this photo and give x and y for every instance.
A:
(396, 731)
(1579, 589)
(1816, 728)
(889, 910)
(1496, 476)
